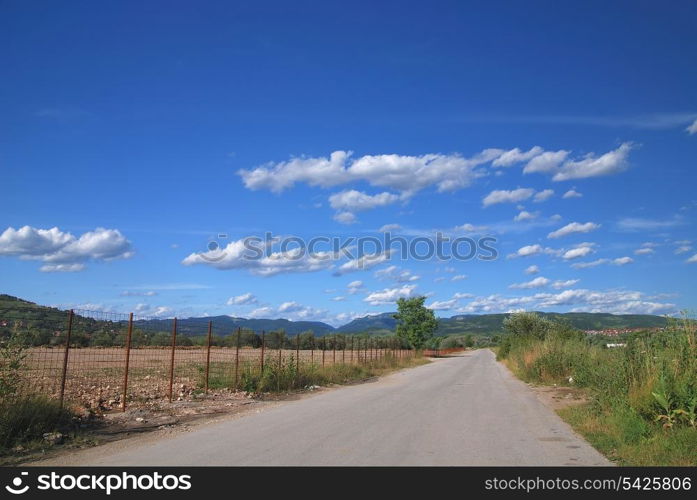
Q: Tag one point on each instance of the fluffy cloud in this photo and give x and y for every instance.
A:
(574, 227)
(470, 228)
(564, 283)
(442, 305)
(355, 287)
(244, 299)
(398, 172)
(538, 282)
(543, 195)
(682, 249)
(396, 274)
(504, 196)
(387, 228)
(620, 261)
(692, 259)
(644, 251)
(236, 255)
(532, 270)
(525, 215)
(571, 193)
(350, 201)
(516, 156)
(611, 162)
(527, 251)
(389, 295)
(546, 162)
(345, 218)
(458, 277)
(61, 251)
(362, 263)
(581, 250)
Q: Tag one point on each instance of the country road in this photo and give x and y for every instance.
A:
(464, 410)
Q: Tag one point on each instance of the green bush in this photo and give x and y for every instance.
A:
(27, 418)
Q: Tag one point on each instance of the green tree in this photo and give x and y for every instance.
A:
(416, 323)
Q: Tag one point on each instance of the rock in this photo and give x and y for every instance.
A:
(53, 437)
(140, 419)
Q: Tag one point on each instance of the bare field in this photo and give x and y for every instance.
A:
(95, 377)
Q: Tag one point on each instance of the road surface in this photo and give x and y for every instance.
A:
(465, 410)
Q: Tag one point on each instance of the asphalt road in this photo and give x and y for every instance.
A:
(466, 410)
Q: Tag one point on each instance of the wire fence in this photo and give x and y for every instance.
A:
(106, 360)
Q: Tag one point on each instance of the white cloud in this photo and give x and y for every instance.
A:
(538, 282)
(236, 255)
(61, 251)
(261, 312)
(61, 268)
(571, 193)
(564, 283)
(644, 251)
(338, 299)
(516, 156)
(362, 263)
(622, 261)
(641, 224)
(525, 215)
(586, 265)
(389, 295)
(692, 129)
(442, 305)
(573, 227)
(580, 250)
(532, 270)
(682, 249)
(399, 172)
(396, 274)
(547, 162)
(355, 287)
(460, 295)
(129, 293)
(152, 311)
(527, 251)
(345, 218)
(244, 299)
(611, 162)
(543, 195)
(458, 277)
(692, 259)
(470, 228)
(505, 196)
(350, 201)
(388, 228)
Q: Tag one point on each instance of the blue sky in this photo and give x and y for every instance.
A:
(143, 131)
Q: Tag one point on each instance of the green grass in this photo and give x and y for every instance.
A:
(24, 420)
(287, 377)
(643, 396)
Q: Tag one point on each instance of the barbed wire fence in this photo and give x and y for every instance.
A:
(105, 361)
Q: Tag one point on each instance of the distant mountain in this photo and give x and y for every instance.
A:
(486, 324)
(372, 324)
(47, 320)
(225, 325)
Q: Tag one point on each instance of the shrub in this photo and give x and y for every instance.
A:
(28, 418)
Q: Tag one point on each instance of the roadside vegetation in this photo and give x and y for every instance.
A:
(26, 420)
(643, 394)
(286, 377)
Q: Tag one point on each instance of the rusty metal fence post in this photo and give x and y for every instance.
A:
(312, 349)
(297, 358)
(208, 353)
(343, 350)
(65, 355)
(334, 350)
(263, 347)
(128, 360)
(237, 359)
(171, 361)
(324, 348)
